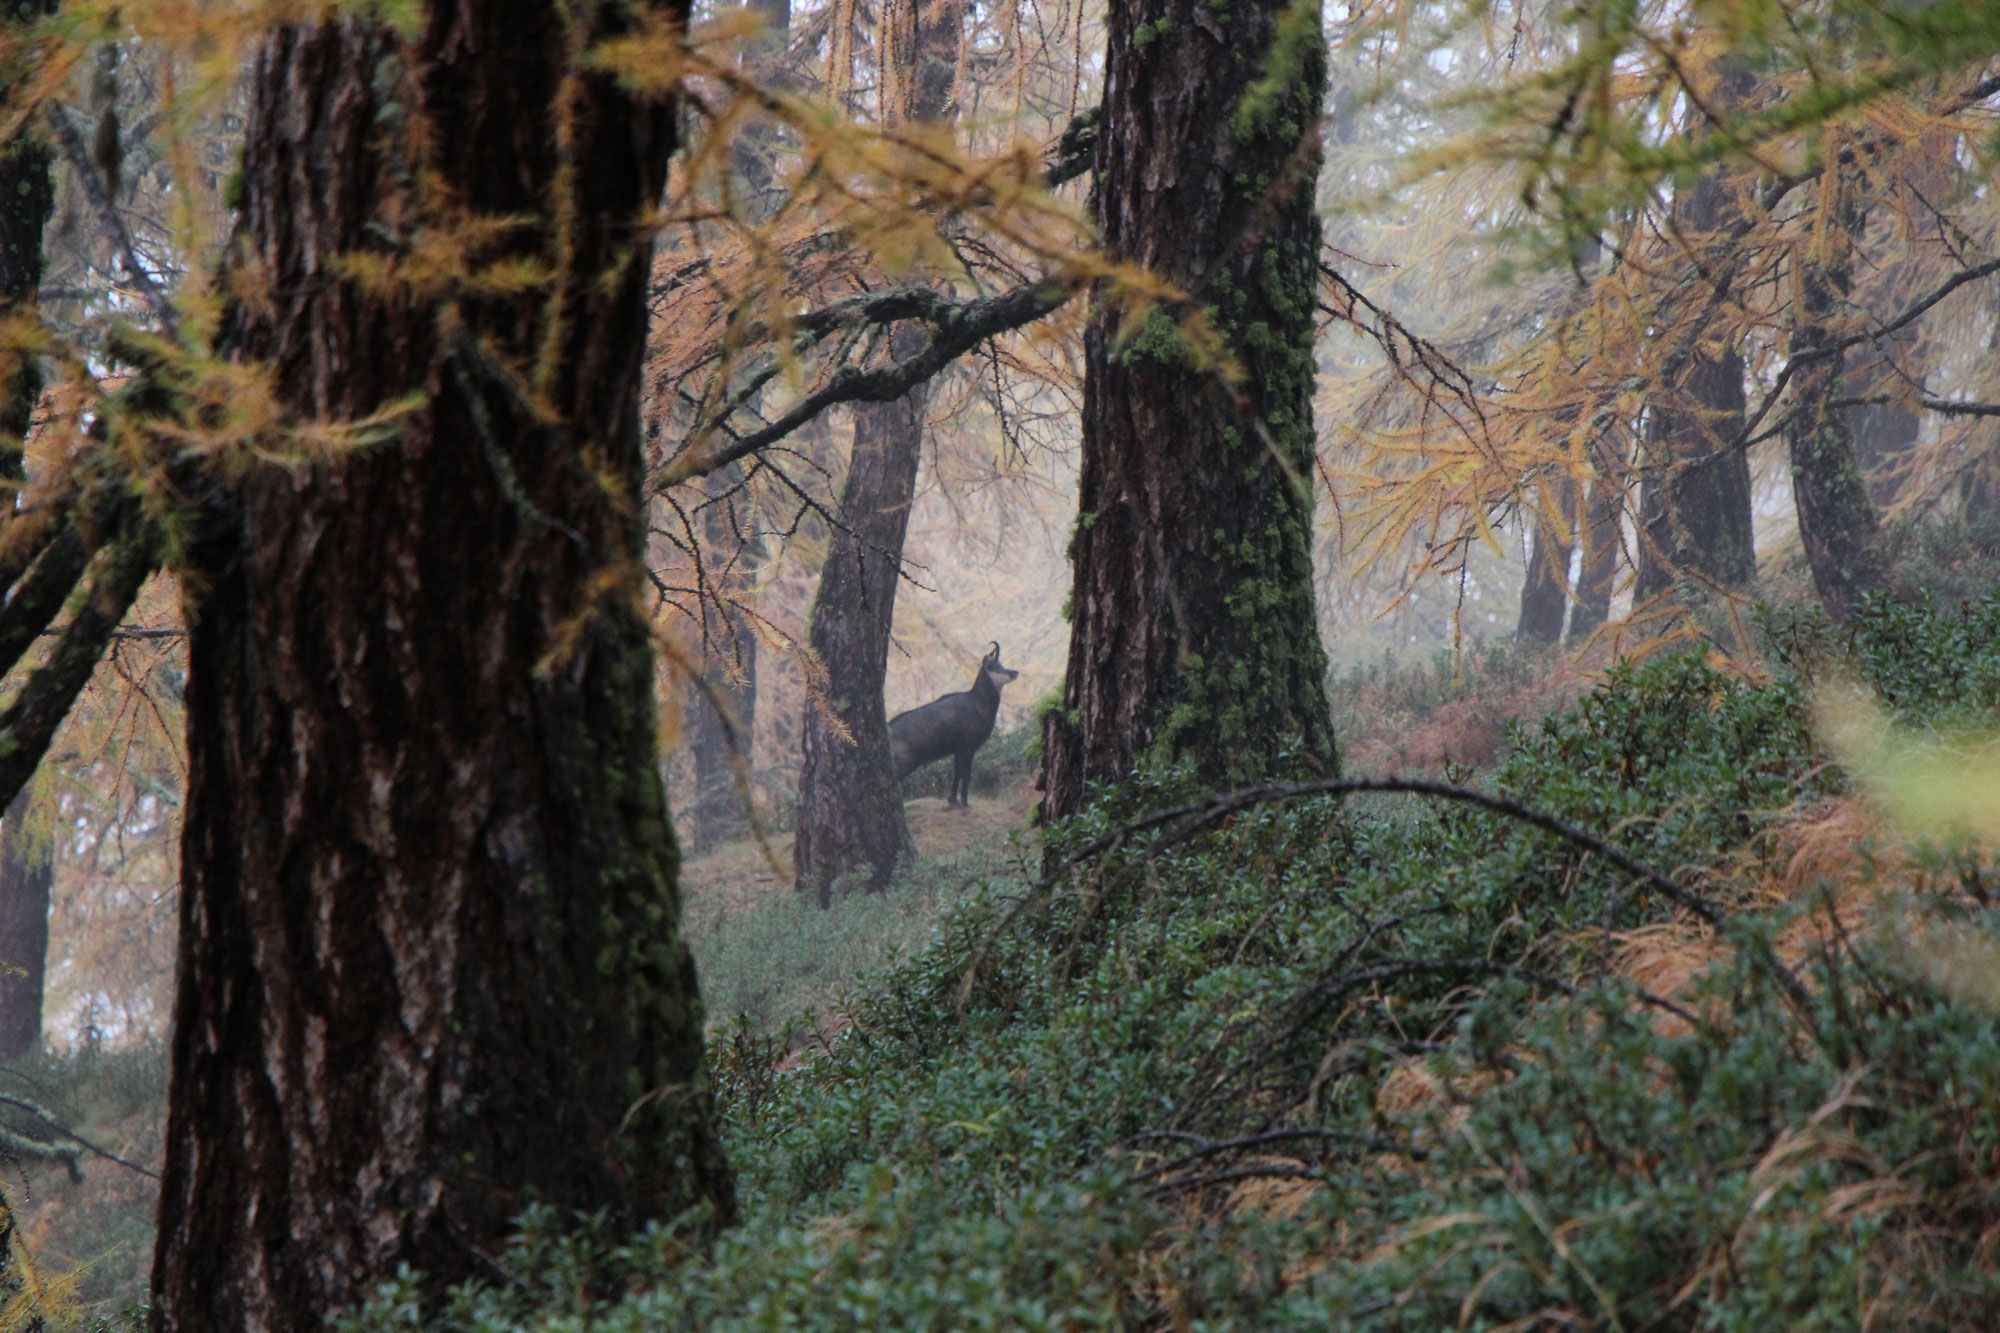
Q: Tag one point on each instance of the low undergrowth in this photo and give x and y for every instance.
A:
(1389, 1063)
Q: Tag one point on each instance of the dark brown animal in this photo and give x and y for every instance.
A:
(955, 725)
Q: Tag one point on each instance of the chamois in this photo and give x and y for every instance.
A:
(955, 725)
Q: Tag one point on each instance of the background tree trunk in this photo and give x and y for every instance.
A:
(1192, 634)
(1837, 524)
(430, 967)
(1694, 505)
(27, 877)
(850, 813)
(1545, 589)
(1601, 539)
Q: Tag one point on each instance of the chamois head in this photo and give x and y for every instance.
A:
(994, 672)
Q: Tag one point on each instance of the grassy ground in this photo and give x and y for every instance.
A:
(765, 951)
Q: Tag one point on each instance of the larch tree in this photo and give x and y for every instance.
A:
(1193, 638)
(850, 806)
(430, 969)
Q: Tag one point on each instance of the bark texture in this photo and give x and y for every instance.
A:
(850, 813)
(1192, 635)
(430, 966)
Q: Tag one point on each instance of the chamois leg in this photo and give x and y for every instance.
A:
(961, 780)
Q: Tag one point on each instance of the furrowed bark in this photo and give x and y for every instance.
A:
(1192, 631)
(430, 965)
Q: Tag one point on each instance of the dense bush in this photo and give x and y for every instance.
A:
(1373, 1065)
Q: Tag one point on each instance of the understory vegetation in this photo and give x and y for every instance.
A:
(1400, 1063)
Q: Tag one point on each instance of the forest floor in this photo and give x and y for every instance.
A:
(764, 951)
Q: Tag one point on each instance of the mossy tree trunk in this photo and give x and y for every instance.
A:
(1192, 637)
(1837, 524)
(430, 968)
(27, 854)
(850, 813)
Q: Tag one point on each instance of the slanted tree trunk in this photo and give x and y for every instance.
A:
(430, 968)
(1837, 524)
(27, 856)
(1545, 589)
(850, 814)
(1192, 636)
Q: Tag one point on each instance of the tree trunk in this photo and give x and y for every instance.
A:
(1602, 510)
(27, 855)
(850, 806)
(27, 875)
(1545, 589)
(1694, 504)
(1695, 514)
(1837, 524)
(850, 814)
(1192, 636)
(430, 968)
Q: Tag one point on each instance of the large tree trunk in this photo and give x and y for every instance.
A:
(1837, 524)
(1192, 635)
(850, 814)
(430, 967)
(27, 855)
